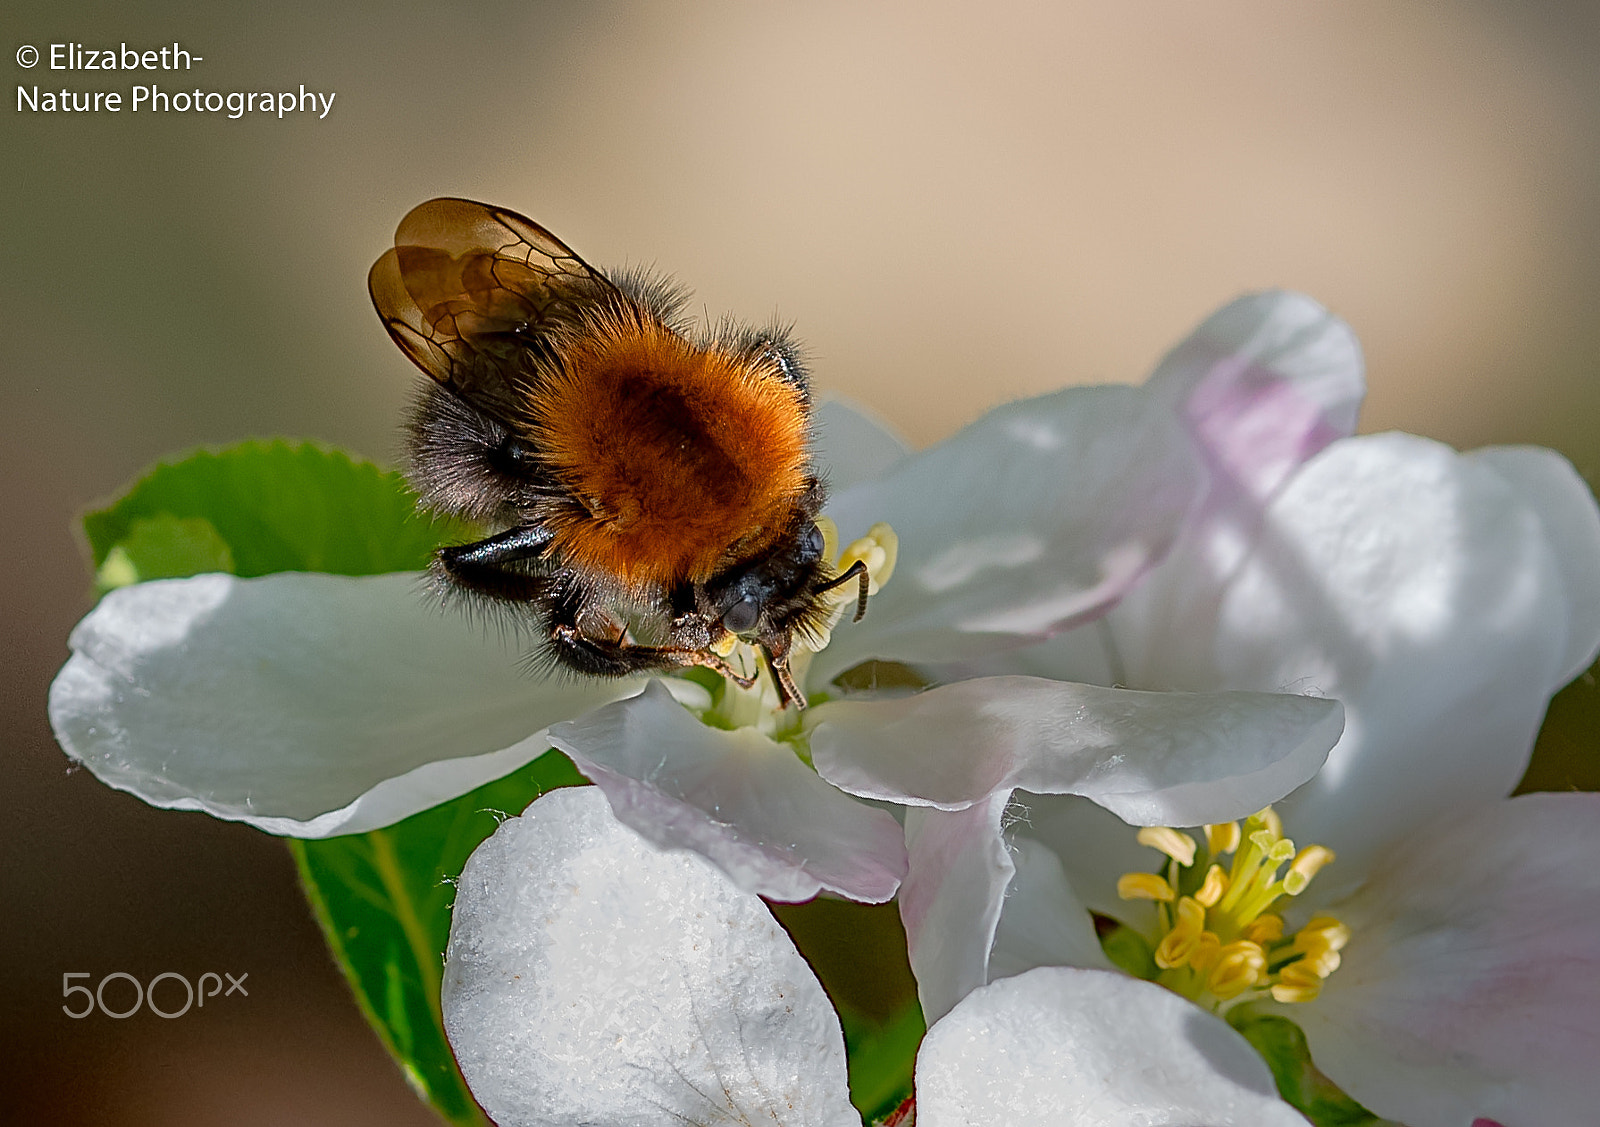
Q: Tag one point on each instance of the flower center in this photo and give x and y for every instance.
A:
(758, 706)
(1218, 943)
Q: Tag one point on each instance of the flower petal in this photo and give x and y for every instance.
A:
(737, 797)
(1062, 1045)
(1566, 508)
(951, 899)
(303, 704)
(593, 979)
(977, 908)
(1409, 582)
(1264, 384)
(1153, 758)
(1095, 847)
(1039, 515)
(853, 444)
(1471, 983)
(1044, 924)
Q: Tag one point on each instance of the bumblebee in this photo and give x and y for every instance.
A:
(651, 484)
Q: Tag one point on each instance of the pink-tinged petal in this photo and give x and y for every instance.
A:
(1264, 384)
(950, 902)
(853, 444)
(1408, 582)
(1566, 508)
(1153, 758)
(591, 978)
(1471, 982)
(1042, 923)
(977, 907)
(1063, 1045)
(1095, 847)
(737, 797)
(303, 704)
(1039, 515)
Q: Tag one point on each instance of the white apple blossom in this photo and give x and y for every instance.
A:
(1442, 598)
(316, 705)
(594, 978)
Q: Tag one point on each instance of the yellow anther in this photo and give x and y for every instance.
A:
(1223, 837)
(1174, 843)
(1264, 929)
(724, 645)
(1323, 932)
(1322, 962)
(1178, 944)
(1206, 949)
(1283, 992)
(1307, 863)
(1212, 888)
(1240, 965)
(1220, 945)
(878, 549)
(1143, 886)
(1301, 973)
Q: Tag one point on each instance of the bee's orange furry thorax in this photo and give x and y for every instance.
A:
(679, 458)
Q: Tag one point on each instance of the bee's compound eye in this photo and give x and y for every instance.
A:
(813, 543)
(741, 616)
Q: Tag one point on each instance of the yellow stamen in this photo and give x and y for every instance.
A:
(1307, 863)
(1220, 944)
(1240, 965)
(1212, 888)
(878, 549)
(1264, 929)
(1179, 943)
(1223, 837)
(1282, 992)
(1206, 950)
(1301, 974)
(1322, 963)
(1143, 886)
(1322, 934)
(1174, 843)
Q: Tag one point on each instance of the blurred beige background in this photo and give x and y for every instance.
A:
(956, 204)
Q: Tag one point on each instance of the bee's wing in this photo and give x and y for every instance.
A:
(469, 288)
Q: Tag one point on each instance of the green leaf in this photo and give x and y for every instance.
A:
(882, 1057)
(164, 547)
(1128, 951)
(276, 506)
(383, 898)
(1300, 1083)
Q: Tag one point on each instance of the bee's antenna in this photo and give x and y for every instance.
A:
(857, 570)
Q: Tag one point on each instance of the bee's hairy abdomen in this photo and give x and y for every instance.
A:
(675, 455)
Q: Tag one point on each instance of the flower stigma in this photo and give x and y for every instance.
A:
(759, 706)
(1217, 941)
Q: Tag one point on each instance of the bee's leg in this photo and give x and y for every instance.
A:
(788, 691)
(487, 567)
(617, 657)
(575, 643)
(776, 651)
